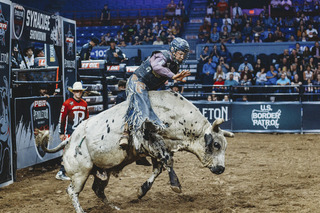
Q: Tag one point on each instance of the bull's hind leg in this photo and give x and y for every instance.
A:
(75, 187)
(98, 187)
(157, 168)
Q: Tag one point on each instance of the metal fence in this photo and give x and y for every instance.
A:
(253, 93)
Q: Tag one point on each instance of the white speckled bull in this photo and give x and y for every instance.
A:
(94, 145)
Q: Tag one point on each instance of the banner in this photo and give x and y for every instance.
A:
(266, 117)
(34, 25)
(99, 52)
(214, 110)
(51, 57)
(311, 117)
(37, 115)
(6, 163)
(69, 57)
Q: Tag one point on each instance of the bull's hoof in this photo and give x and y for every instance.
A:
(176, 189)
(174, 182)
(103, 176)
(140, 193)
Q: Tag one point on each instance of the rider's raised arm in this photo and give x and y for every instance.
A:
(158, 62)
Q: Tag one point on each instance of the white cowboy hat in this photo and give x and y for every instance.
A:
(77, 86)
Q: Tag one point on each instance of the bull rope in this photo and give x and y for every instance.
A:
(77, 149)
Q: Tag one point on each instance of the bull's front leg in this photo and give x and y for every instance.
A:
(158, 149)
(157, 169)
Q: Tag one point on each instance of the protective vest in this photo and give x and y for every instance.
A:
(153, 80)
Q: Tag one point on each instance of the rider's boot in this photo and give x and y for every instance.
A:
(124, 140)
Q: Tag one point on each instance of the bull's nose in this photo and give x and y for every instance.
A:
(217, 170)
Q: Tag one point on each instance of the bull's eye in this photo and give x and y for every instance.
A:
(216, 145)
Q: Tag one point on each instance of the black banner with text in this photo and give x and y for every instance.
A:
(33, 25)
(38, 115)
(69, 60)
(6, 164)
(214, 110)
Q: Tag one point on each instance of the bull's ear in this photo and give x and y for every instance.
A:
(227, 134)
(216, 124)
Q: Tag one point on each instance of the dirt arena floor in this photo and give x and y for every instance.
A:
(264, 173)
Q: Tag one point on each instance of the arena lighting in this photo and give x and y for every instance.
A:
(251, 12)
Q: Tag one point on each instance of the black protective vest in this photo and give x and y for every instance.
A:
(153, 80)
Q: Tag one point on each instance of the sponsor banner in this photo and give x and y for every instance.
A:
(266, 117)
(40, 62)
(113, 68)
(34, 25)
(131, 69)
(212, 111)
(51, 57)
(6, 163)
(98, 52)
(69, 57)
(38, 115)
(311, 117)
(90, 65)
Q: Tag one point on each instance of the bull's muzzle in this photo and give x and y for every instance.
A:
(217, 170)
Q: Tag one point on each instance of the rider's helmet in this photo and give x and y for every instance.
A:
(179, 44)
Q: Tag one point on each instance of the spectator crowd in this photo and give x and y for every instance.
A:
(218, 70)
(157, 31)
(222, 25)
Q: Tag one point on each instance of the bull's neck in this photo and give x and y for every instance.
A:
(189, 142)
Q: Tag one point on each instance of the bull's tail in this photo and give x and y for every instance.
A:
(57, 148)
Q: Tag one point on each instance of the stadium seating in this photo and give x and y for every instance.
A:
(250, 58)
(273, 58)
(237, 57)
(264, 59)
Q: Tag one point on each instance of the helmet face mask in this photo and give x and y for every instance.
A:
(180, 50)
(180, 56)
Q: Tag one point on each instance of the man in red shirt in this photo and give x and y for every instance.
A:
(73, 112)
(219, 83)
(222, 7)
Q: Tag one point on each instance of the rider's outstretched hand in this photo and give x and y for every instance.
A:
(180, 76)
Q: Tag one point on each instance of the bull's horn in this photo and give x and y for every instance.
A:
(216, 123)
(228, 134)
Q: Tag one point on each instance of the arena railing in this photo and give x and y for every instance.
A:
(25, 82)
(256, 48)
(254, 92)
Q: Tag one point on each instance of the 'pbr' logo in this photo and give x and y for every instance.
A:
(40, 124)
(3, 28)
(18, 16)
